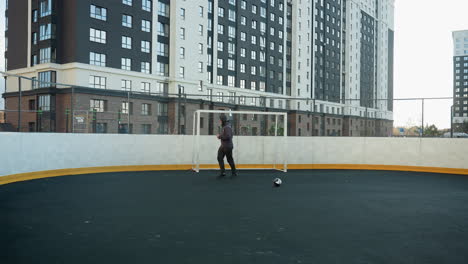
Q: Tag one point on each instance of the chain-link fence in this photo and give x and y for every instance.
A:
(33, 105)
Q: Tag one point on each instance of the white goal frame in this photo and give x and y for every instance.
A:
(196, 136)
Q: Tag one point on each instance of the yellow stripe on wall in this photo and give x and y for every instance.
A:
(76, 171)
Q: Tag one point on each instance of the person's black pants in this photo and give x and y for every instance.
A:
(223, 151)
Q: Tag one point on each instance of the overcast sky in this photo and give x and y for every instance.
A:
(423, 56)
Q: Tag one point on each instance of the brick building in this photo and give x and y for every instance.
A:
(126, 61)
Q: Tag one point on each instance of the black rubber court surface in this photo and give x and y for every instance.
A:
(182, 217)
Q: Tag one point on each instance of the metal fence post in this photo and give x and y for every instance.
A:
(128, 114)
(422, 117)
(19, 104)
(72, 105)
(451, 121)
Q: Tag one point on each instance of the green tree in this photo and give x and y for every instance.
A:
(431, 131)
(461, 128)
(280, 131)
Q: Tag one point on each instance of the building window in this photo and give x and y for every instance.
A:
(46, 8)
(146, 5)
(126, 64)
(182, 33)
(242, 68)
(200, 67)
(126, 85)
(127, 108)
(97, 82)
(254, 40)
(243, 4)
(44, 103)
(182, 13)
(253, 85)
(219, 80)
(98, 36)
(200, 85)
(232, 15)
(242, 100)
(163, 88)
(231, 81)
(231, 65)
(219, 97)
(231, 48)
(220, 46)
(126, 42)
(242, 84)
(127, 21)
(210, 60)
(146, 129)
(162, 69)
(47, 79)
(254, 9)
(97, 59)
(145, 26)
(98, 12)
(163, 29)
(220, 29)
(97, 105)
(46, 55)
(34, 38)
(145, 109)
(145, 46)
(145, 87)
(182, 52)
(263, 12)
(200, 30)
(32, 105)
(34, 60)
(163, 9)
(182, 72)
(200, 48)
(145, 67)
(46, 31)
(127, 2)
(34, 16)
(163, 49)
(220, 12)
(209, 93)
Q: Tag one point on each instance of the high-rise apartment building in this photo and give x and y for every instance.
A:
(460, 76)
(329, 63)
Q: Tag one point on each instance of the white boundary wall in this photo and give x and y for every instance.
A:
(29, 152)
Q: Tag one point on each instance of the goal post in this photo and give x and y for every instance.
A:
(260, 139)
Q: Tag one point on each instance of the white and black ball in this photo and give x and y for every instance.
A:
(277, 182)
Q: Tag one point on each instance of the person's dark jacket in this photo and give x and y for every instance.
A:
(226, 134)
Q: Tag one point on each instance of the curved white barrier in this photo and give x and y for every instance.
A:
(32, 152)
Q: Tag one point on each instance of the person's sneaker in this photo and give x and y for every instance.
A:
(221, 175)
(233, 175)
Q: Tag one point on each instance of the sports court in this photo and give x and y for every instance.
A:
(316, 216)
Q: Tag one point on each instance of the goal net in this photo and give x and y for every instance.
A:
(260, 139)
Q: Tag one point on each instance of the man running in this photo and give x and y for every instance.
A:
(226, 147)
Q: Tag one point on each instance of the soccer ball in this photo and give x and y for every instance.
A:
(277, 182)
